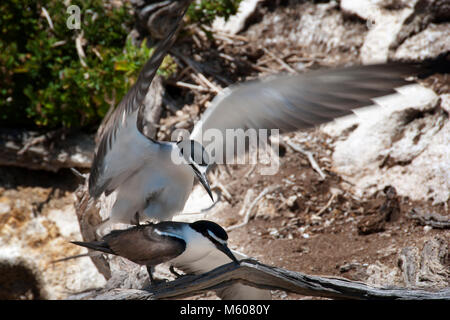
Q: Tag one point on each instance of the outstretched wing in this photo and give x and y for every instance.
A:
(294, 102)
(144, 245)
(140, 244)
(123, 148)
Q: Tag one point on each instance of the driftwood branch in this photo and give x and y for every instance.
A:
(50, 151)
(265, 277)
(309, 155)
(252, 205)
(432, 219)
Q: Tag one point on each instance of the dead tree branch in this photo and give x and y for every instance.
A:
(309, 155)
(263, 276)
(50, 151)
(432, 219)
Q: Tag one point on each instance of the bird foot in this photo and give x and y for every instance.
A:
(154, 281)
(135, 221)
(176, 274)
(157, 281)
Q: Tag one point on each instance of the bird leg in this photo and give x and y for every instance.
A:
(101, 228)
(135, 221)
(153, 281)
(172, 270)
(150, 270)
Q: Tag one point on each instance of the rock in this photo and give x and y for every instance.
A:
(425, 269)
(381, 275)
(405, 144)
(19, 277)
(4, 207)
(394, 23)
(384, 25)
(429, 43)
(321, 32)
(29, 244)
(236, 23)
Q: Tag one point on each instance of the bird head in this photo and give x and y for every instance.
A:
(197, 157)
(216, 234)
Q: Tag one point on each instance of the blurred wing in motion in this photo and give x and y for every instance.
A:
(294, 102)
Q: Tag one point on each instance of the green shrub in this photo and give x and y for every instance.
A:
(205, 11)
(42, 81)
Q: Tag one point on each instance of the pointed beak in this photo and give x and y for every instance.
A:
(224, 248)
(204, 181)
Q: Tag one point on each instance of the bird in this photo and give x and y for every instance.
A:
(196, 247)
(153, 179)
(122, 158)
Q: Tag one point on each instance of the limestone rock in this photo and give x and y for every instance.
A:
(405, 145)
(393, 22)
(320, 31)
(384, 25)
(429, 43)
(29, 244)
(425, 269)
(236, 23)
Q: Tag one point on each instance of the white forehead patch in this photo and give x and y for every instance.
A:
(168, 234)
(224, 242)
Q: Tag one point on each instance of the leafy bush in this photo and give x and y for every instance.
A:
(42, 80)
(204, 11)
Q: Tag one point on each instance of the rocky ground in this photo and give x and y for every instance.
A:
(381, 197)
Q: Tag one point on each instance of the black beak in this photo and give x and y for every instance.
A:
(204, 181)
(224, 248)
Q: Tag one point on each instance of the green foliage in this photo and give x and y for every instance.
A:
(42, 81)
(204, 11)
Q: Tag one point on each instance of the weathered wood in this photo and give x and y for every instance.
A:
(89, 218)
(89, 210)
(266, 277)
(432, 219)
(50, 151)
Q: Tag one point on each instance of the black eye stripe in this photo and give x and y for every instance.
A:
(203, 226)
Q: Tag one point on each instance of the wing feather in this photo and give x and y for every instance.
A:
(122, 144)
(295, 102)
(143, 245)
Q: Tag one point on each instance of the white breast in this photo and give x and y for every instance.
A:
(202, 256)
(197, 249)
(158, 190)
(175, 181)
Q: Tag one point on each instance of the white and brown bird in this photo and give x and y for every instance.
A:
(195, 248)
